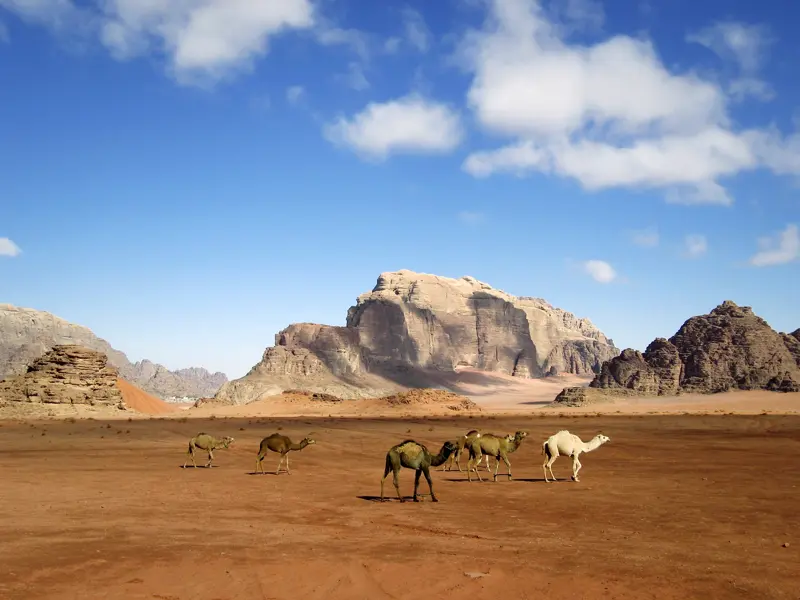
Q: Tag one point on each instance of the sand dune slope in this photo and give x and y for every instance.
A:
(141, 401)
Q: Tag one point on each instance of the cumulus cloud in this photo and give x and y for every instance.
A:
(608, 115)
(600, 271)
(695, 246)
(9, 248)
(778, 250)
(203, 40)
(411, 124)
(646, 238)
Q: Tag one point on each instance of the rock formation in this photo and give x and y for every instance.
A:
(26, 334)
(411, 324)
(67, 374)
(730, 348)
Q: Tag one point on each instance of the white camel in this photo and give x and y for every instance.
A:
(568, 444)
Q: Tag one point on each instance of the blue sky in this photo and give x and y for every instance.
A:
(187, 178)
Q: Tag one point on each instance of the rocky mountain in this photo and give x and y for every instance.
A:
(729, 348)
(411, 325)
(67, 374)
(26, 334)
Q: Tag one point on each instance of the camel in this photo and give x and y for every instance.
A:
(282, 444)
(206, 442)
(462, 442)
(568, 444)
(499, 447)
(413, 455)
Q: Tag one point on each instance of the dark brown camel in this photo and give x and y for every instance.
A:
(413, 455)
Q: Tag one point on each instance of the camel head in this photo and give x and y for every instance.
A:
(449, 447)
(309, 440)
(602, 438)
(227, 441)
(520, 435)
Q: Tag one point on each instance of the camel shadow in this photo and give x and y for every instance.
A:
(273, 473)
(199, 467)
(387, 498)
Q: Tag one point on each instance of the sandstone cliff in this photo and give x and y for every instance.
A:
(729, 348)
(67, 374)
(26, 334)
(412, 324)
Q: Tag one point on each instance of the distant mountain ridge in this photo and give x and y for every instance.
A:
(26, 334)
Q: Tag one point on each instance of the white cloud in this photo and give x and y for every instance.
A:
(600, 271)
(744, 87)
(578, 14)
(4, 35)
(778, 250)
(695, 246)
(730, 40)
(329, 35)
(355, 77)
(747, 46)
(204, 39)
(646, 238)
(608, 115)
(58, 15)
(9, 248)
(295, 94)
(470, 218)
(411, 124)
(417, 32)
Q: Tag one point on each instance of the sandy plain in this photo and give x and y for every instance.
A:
(675, 506)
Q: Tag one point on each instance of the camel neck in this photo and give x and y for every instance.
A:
(592, 444)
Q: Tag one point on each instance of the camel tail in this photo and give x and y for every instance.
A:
(546, 450)
(388, 467)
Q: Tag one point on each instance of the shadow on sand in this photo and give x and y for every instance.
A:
(199, 467)
(422, 498)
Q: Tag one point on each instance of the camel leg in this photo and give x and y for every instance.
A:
(210, 458)
(427, 474)
(396, 479)
(287, 464)
(549, 465)
(576, 466)
(386, 472)
(186, 461)
(280, 462)
(417, 473)
(508, 466)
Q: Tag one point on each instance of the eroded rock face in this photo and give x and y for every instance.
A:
(729, 348)
(67, 374)
(27, 334)
(411, 323)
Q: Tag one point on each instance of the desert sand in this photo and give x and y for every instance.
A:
(673, 507)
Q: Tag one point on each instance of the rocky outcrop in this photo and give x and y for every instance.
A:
(729, 348)
(27, 334)
(411, 324)
(67, 374)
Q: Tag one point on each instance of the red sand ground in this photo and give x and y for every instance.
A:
(141, 401)
(673, 507)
